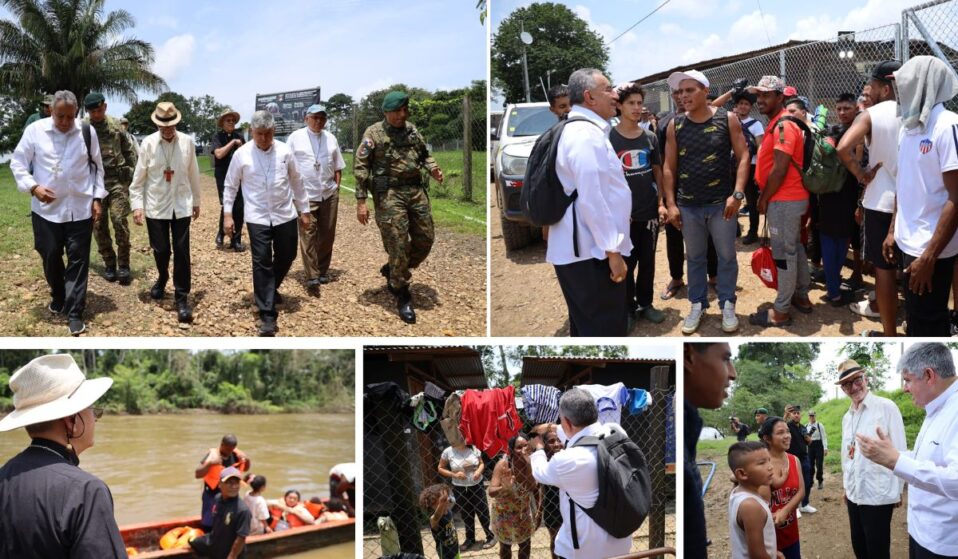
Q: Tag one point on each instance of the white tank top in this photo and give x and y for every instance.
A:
(739, 542)
(886, 124)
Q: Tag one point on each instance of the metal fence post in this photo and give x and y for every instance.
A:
(355, 112)
(659, 387)
(905, 40)
(466, 148)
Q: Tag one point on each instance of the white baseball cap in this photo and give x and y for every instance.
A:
(676, 78)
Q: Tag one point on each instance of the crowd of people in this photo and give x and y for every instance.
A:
(691, 169)
(84, 175)
(774, 476)
(542, 480)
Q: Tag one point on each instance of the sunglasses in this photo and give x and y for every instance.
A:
(97, 413)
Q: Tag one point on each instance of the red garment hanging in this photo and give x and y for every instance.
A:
(489, 419)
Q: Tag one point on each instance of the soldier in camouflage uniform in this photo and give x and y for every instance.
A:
(119, 160)
(388, 163)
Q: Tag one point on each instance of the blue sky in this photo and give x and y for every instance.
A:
(234, 50)
(689, 31)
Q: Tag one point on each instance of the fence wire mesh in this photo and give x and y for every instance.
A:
(824, 70)
(400, 459)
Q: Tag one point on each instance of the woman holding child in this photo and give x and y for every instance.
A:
(516, 499)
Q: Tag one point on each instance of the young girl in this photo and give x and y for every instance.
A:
(788, 488)
(516, 498)
(259, 512)
(435, 499)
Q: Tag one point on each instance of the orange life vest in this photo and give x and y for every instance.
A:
(276, 514)
(314, 509)
(212, 477)
(179, 537)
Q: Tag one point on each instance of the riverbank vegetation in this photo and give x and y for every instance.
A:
(150, 381)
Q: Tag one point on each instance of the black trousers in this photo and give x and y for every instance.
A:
(871, 530)
(237, 205)
(807, 478)
(927, 314)
(751, 196)
(172, 236)
(596, 303)
(638, 287)
(68, 282)
(675, 251)
(814, 246)
(273, 249)
(472, 504)
(816, 454)
(916, 551)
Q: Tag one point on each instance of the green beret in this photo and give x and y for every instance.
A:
(93, 100)
(761, 410)
(394, 100)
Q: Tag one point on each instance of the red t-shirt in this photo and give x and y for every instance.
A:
(788, 534)
(790, 140)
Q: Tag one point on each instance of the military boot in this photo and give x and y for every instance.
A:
(109, 273)
(384, 271)
(124, 276)
(404, 304)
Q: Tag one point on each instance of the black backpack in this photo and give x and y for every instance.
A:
(625, 493)
(542, 199)
(749, 137)
(87, 139)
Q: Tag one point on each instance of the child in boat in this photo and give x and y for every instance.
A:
(335, 510)
(438, 503)
(259, 522)
(291, 506)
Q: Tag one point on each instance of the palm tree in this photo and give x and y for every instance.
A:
(71, 44)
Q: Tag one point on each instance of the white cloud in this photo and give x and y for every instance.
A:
(163, 21)
(754, 25)
(173, 56)
(367, 88)
(875, 13)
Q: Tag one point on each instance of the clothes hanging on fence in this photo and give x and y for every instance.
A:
(541, 403)
(609, 400)
(451, 418)
(424, 412)
(434, 391)
(387, 393)
(639, 400)
(388, 536)
(489, 419)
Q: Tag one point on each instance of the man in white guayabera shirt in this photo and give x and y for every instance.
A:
(65, 178)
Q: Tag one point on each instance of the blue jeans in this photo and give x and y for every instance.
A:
(698, 223)
(834, 250)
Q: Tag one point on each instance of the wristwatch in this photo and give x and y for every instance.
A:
(738, 195)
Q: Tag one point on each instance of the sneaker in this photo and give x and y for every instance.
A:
(693, 319)
(808, 509)
(324, 279)
(76, 326)
(817, 274)
(863, 308)
(55, 307)
(750, 239)
(652, 314)
(729, 320)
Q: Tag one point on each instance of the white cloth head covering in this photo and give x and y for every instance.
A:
(51, 387)
(923, 82)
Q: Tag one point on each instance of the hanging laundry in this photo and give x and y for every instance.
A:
(609, 400)
(434, 391)
(541, 403)
(639, 400)
(490, 419)
(451, 417)
(424, 413)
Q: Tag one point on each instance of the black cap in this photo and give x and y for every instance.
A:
(750, 97)
(884, 70)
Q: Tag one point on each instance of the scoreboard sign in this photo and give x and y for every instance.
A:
(288, 108)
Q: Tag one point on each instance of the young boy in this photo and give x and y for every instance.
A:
(559, 103)
(638, 150)
(436, 500)
(751, 530)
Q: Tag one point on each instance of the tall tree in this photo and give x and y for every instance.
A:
(139, 113)
(204, 112)
(73, 45)
(562, 43)
(339, 108)
(778, 355)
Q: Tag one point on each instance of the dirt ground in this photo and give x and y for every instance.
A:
(527, 301)
(824, 534)
(449, 289)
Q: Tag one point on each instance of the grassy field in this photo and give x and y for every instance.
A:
(448, 207)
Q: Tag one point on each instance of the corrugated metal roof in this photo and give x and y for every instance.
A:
(459, 366)
(553, 370)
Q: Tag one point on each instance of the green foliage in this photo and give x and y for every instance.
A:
(75, 45)
(778, 355)
(339, 110)
(562, 43)
(503, 363)
(260, 381)
(870, 355)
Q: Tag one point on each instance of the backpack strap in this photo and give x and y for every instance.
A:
(87, 139)
(575, 533)
(801, 126)
(575, 193)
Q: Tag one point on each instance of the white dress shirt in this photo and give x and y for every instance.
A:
(586, 163)
(60, 163)
(149, 190)
(273, 189)
(575, 472)
(931, 471)
(867, 483)
(309, 149)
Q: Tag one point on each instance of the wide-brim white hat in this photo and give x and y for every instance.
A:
(51, 387)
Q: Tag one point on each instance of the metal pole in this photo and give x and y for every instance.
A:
(898, 42)
(545, 92)
(905, 41)
(932, 43)
(525, 74)
(781, 65)
(466, 148)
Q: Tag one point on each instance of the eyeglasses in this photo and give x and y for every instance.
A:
(97, 413)
(846, 386)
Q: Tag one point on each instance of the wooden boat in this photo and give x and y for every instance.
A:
(145, 538)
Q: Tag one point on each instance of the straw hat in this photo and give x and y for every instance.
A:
(51, 387)
(165, 114)
(849, 370)
(226, 113)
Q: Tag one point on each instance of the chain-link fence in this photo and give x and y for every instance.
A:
(401, 455)
(824, 70)
(454, 129)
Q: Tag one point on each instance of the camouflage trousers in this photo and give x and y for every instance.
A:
(405, 222)
(116, 210)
